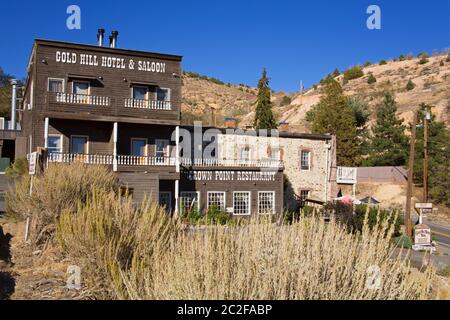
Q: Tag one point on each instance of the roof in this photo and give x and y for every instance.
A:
(62, 44)
(372, 200)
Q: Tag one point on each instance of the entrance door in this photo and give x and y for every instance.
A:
(165, 200)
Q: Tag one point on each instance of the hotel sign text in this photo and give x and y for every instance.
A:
(109, 62)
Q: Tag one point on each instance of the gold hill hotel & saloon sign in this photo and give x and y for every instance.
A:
(112, 62)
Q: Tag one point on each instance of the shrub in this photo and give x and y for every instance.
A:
(448, 58)
(353, 73)
(383, 62)
(441, 63)
(59, 189)
(401, 58)
(423, 60)
(286, 100)
(216, 215)
(367, 63)
(371, 79)
(18, 168)
(336, 73)
(410, 85)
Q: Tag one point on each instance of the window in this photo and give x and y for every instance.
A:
(245, 153)
(162, 94)
(216, 199)
(304, 194)
(81, 87)
(165, 200)
(139, 147)
(274, 153)
(241, 203)
(126, 193)
(266, 202)
(55, 85)
(188, 201)
(54, 143)
(161, 149)
(140, 92)
(79, 144)
(305, 160)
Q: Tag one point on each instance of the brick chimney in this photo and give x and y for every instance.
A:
(231, 123)
(283, 127)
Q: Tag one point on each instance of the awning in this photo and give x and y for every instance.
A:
(81, 76)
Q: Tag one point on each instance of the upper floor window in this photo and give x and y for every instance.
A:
(304, 195)
(305, 160)
(81, 87)
(140, 92)
(162, 94)
(161, 148)
(55, 85)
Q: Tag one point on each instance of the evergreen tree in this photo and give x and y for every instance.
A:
(438, 153)
(334, 115)
(371, 79)
(389, 145)
(264, 118)
(410, 85)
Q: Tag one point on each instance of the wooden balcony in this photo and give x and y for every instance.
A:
(108, 159)
(346, 175)
(103, 108)
(148, 104)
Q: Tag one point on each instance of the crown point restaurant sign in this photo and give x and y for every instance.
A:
(112, 62)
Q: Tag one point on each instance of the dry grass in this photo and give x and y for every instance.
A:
(140, 253)
(61, 188)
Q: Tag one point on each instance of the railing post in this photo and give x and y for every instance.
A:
(115, 131)
(46, 124)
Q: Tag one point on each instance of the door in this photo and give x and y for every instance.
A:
(139, 150)
(165, 200)
(162, 151)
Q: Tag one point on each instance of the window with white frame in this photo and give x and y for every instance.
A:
(161, 150)
(55, 85)
(54, 143)
(245, 153)
(305, 160)
(266, 202)
(189, 200)
(241, 203)
(139, 147)
(81, 87)
(162, 94)
(216, 199)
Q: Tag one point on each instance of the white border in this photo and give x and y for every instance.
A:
(249, 203)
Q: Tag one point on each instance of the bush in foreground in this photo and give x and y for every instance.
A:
(60, 189)
(141, 253)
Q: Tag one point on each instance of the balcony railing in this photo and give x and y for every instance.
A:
(84, 158)
(148, 104)
(83, 99)
(266, 163)
(346, 175)
(128, 160)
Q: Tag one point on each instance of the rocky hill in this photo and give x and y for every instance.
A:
(205, 98)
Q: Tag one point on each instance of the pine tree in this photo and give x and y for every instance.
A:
(334, 115)
(438, 153)
(371, 79)
(389, 144)
(264, 118)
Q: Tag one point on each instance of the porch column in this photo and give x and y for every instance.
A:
(115, 130)
(177, 166)
(46, 123)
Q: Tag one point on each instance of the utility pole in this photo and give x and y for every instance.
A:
(426, 117)
(409, 192)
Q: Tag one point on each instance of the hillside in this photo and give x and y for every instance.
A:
(432, 80)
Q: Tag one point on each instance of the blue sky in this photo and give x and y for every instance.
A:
(233, 40)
